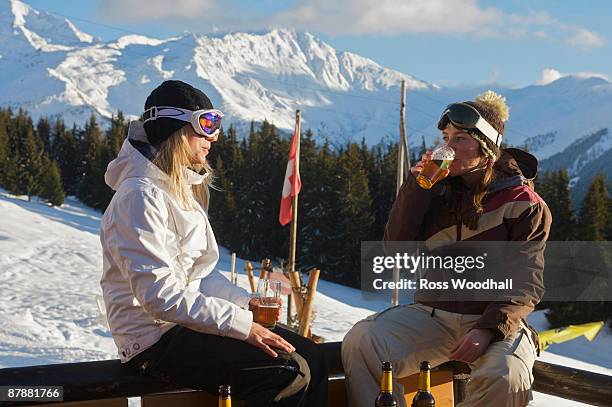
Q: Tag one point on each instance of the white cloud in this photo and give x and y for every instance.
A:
(391, 17)
(550, 75)
(533, 18)
(541, 34)
(145, 10)
(584, 39)
(358, 17)
(546, 27)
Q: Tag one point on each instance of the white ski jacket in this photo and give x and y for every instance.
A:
(159, 260)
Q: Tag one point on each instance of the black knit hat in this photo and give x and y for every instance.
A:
(175, 94)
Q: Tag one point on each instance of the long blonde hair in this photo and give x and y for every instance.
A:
(173, 157)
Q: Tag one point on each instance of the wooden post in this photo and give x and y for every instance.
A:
(401, 145)
(289, 299)
(403, 135)
(265, 269)
(402, 158)
(234, 280)
(289, 310)
(249, 270)
(306, 319)
(294, 276)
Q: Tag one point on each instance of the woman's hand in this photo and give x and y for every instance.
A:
(254, 303)
(473, 345)
(418, 167)
(425, 158)
(265, 340)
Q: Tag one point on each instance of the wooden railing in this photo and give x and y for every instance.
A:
(107, 383)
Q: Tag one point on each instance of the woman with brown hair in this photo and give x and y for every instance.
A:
(487, 196)
(171, 313)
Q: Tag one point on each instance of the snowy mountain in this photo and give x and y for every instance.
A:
(50, 268)
(50, 67)
(587, 156)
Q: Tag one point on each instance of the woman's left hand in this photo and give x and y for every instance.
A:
(473, 345)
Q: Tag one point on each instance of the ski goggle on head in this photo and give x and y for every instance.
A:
(466, 117)
(206, 123)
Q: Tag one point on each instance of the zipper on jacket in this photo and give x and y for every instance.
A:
(459, 226)
(459, 219)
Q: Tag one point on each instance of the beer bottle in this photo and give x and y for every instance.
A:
(424, 398)
(385, 397)
(225, 397)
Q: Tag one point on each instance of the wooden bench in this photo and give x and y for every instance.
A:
(105, 384)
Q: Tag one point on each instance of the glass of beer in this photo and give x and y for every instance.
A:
(267, 309)
(433, 170)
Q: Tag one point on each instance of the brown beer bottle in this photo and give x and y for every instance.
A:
(385, 397)
(225, 397)
(424, 398)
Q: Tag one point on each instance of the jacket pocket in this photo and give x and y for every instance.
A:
(289, 368)
(525, 352)
(267, 383)
(381, 313)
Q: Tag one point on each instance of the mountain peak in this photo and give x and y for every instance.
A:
(44, 31)
(20, 10)
(50, 68)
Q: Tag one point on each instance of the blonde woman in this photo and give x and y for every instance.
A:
(171, 314)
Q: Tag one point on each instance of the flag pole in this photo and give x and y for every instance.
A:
(402, 160)
(294, 275)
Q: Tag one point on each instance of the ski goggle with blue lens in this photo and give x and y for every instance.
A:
(205, 123)
(466, 117)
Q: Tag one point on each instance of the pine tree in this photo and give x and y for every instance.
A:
(51, 185)
(574, 313)
(355, 217)
(108, 151)
(27, 165)
(423, 148)
(382, 189)
(66, 153)
(43, 133)
(553, 187)
(609, 221)
(413, 157)
(565, 221)
(4, 147)
(311, 206)
(591, 226)
(105, 193)
(116, 134)
(222, 208)
(234, 158)
(257, 195)
(594, 211)
(92, 182)
(322, 240)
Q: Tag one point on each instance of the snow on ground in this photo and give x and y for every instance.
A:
(50, 265)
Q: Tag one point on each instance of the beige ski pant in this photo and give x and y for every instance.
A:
(408, 334)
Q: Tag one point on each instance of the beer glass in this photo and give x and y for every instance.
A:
(267, 308)
(433, 171)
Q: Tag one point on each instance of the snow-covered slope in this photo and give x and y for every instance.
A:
(583, 159)
(50, 67)
(50, 267)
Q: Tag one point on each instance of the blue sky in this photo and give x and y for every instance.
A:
(448, 42)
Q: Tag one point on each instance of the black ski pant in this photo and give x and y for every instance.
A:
(203, 362)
